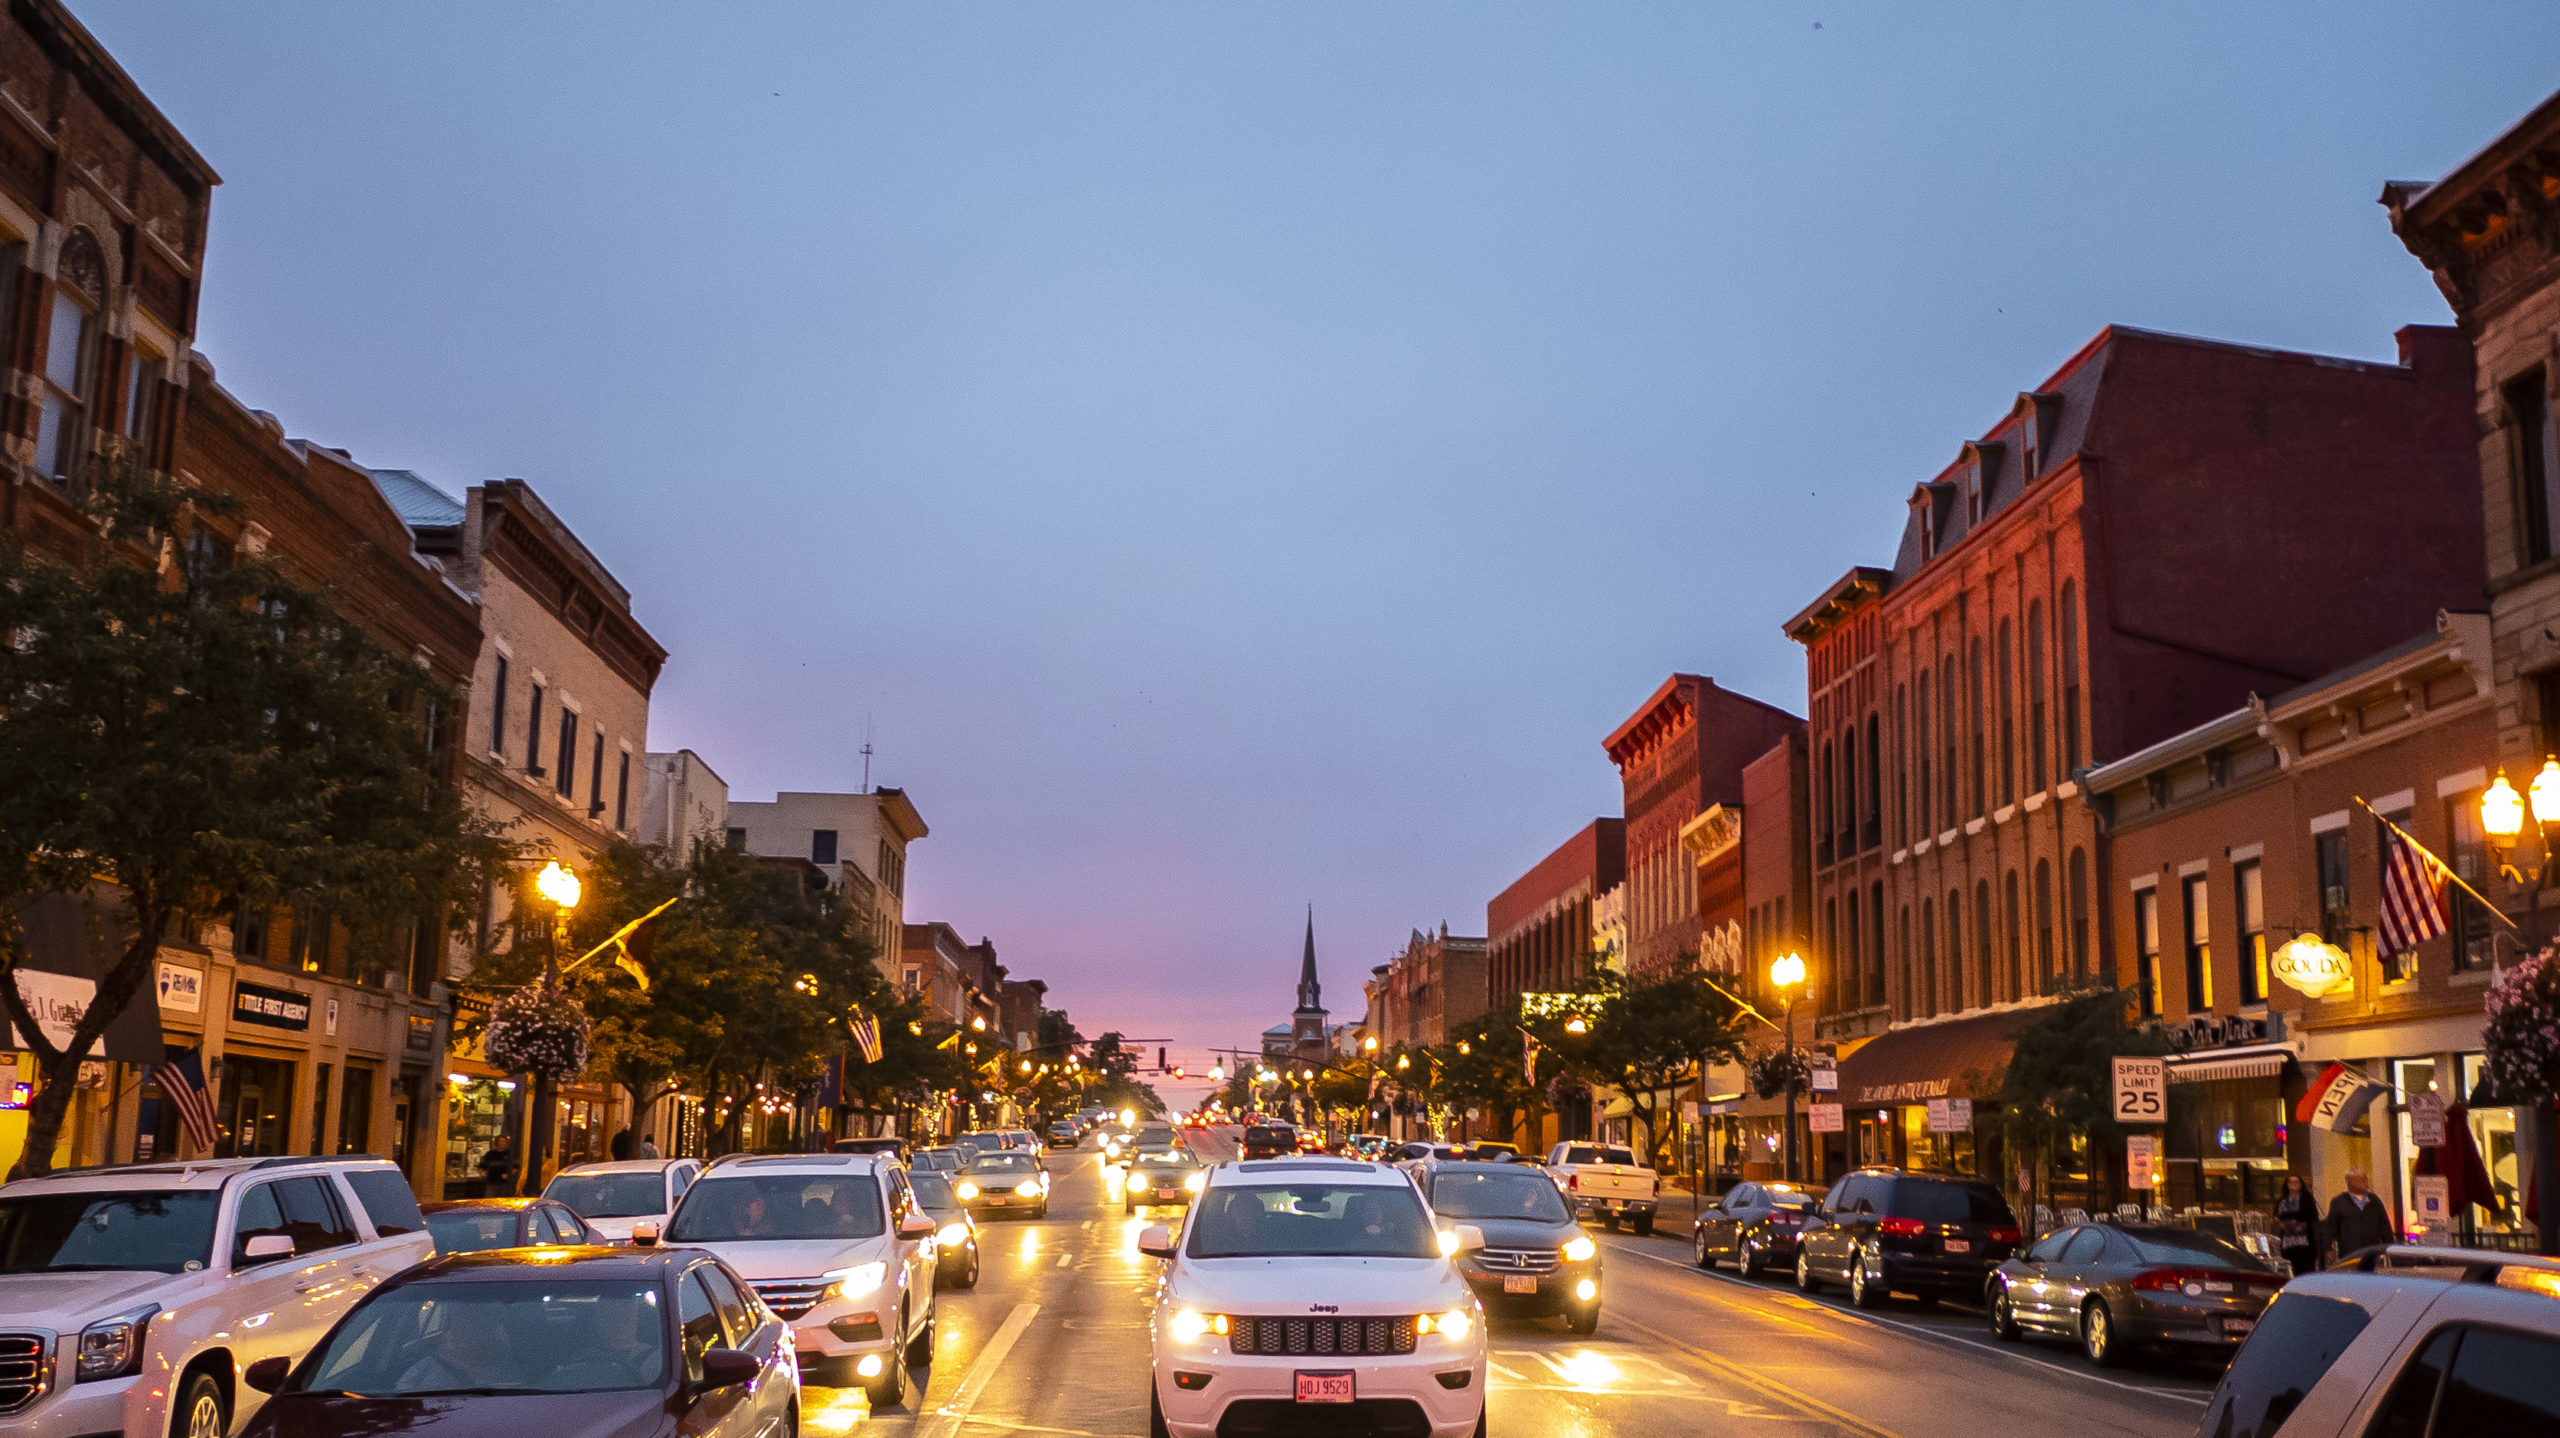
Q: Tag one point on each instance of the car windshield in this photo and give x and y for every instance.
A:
(1949, 1203)
(1796, 1202)
(783, 1206)
(932, 1190)
(532, 1336)
(2180, 1246)
(610, 1195)
(1498, 1195)
(1004, 1163)
(1167, 1160)
(1312, 1220)
(941, 1158)
(468, 1230)
(1581, 1153)
(141, 1232)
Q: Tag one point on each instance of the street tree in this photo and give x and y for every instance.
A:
(2058, 1089)
(1648, 1035)
(184, 730)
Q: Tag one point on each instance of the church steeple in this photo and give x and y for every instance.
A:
(1310, 993)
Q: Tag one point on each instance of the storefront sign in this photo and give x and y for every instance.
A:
(2426, 1121)
(1826, 1076)
(2142, 1091)
(2141, 1160)
(1950, 1115)
(2312, 965)
(2431, 1207)
(181, 989)
(1914, 1091)
(1824, 1118)
(270, 1008)
(57, 1001)
(2337, 1099)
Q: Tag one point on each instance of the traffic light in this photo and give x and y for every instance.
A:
(1160, 1064)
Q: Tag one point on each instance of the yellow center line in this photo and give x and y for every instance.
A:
(1794, 1398)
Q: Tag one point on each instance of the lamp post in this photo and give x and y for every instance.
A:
(560, 886)
(2502, 817)
(1786, 972)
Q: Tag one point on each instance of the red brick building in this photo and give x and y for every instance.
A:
(1539, 929)
(1680, 754)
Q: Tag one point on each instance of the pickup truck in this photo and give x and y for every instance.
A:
(1604, 1181)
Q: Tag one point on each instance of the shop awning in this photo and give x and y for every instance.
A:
(1959, 1058)
(2255, 1061)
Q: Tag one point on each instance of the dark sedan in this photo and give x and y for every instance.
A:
(1536, 1261)
(1883, 1230)
(939, 1160)
(1755, 1226)
(1269, 1140)
(1156, 1179)
(655, 1341)
(2116, 1288)
(468, 1225)
(955, 1229)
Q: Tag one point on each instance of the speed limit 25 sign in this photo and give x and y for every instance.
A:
(2142, 1091)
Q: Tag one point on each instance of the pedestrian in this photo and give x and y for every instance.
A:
(2357, 1219)
(497, 1169)
(2298, 1224)
(620, 1147)
(648, 1146)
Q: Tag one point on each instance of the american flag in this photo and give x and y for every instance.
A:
(866, 1035)
(181, 1082)
(2414, 904)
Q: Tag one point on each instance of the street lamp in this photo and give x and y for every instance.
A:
(561, 888)
(1786, 972)
(2502, 812)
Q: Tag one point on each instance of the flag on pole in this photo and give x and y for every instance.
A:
(866, 1035)
(182, 1083)
(2414, 904)
(1529, 1059)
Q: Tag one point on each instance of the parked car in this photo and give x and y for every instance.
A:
(640, 1343)
(1755, 1225)
(1269, 1140)
(955, 1237)
(1604, 1181)
(469, 1225)
(1160, 1179)
(1004, 1182)
(200, 1268)
(616, 1196)
(1536, 1261)
(833, 1244)
(946, 1159)
(2118, 1288)
(2403, 1342)
(896, 1147)
(1882, 1230)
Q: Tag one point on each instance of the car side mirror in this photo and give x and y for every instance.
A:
(1156, 1241)
(1470, 1238)
(915, 1225)
(267, 1374)
(266, 1246)
(644, 1235)
(727, 1368)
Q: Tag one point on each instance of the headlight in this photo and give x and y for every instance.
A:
(952, 1235)
(1448, 1242)
(1581, 1249)
(859, 1281)
(1189, 1326)
(1457, 1323)
(1028, 1188)
(112, 1347)
(968, 1191)
(1137, 1181)
(1196, 1182)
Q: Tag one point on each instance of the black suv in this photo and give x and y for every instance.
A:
(1270, 1140)
(1931, 1234)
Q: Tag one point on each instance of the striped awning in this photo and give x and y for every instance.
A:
(2258, 1061)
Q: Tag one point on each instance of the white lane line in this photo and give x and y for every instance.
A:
(1066, 1260)
(1919, 1330)
(946, 1420)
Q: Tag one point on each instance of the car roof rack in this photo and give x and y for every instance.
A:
(289, 1160)
(2474, 1265)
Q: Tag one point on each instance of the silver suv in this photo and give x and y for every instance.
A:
(132, 1298)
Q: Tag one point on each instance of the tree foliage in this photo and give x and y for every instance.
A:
(1648, 1035)
(2060, 1082)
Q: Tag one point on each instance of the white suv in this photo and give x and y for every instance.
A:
(619, 1195)
(835, 1245)
(1315, 1287)
(132, 1298)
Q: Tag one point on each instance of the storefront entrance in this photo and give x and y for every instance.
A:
(255, 1116)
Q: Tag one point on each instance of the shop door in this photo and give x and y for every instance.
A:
(355, 1111)
(256, 1113)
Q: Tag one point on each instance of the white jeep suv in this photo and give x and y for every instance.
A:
(132, 1298)
(1314, 1287)
(835, 1245)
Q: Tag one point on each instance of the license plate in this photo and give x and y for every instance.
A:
(1959, 1245)
(1519, 1283)
(1324, 1387)
(2235, 1327)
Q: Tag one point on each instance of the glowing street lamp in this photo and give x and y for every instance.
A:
(1786, 974)
(558, 885)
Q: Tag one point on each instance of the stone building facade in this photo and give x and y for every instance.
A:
(859, 840)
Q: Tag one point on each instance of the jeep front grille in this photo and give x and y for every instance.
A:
(1311, 1337)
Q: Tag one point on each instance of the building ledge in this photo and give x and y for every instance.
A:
(2066, 790)
(2004, 813)
(1899, 855)
(2034, 801)
(1947, 836)
(1924, 846)
(1976, 826)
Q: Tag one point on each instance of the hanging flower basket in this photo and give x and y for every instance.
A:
(538, 1030)
(1772, 1072)
(2523, 1034)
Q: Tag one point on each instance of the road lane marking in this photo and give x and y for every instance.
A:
(1795, 1398)
(1066, 1260)
(1761, 1313)
(948, 1418)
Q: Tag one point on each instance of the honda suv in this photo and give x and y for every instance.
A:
(1883, 1230)
(132, 1298)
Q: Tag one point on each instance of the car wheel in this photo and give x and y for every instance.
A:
(1698, 1241)
(1480, 1417)
(1644, 1225)
(890, 1388)
(1804, 1273)
(2098, 1335)
(2004, 1318)
(1041, 1212)
(1866, 1292)
(1583, 1321)
(199, 1412)
(1747, 1260)
(1155, 1413)
(1611, 1222)
(920, 1347)
(969, 1278)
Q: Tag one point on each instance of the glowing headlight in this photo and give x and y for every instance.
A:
(1137, 1181)
(1448, 1242)
(1196, 1182)
(952, 1235)
(857, 1281)
(1028, 1188)
(1189, 1326)
(1457, 1323)
(1586, 1290)
(968, 1191)
(1580, 1250)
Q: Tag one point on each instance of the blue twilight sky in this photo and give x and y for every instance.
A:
(1236, 456)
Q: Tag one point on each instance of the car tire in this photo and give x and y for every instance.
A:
(1643, 1225)
(1155, 1413)
(890, 1388)
(1481, 1415)
(1698, 1242)
(1805, 1281)
(1865, 1292)
(969, 1279)
(200, 1411)
(1610, 1221)
(1582, 1321)
(1041, 1212)
(1747, 1261)
(2004, 1318)
(2098, 1338)
(920, 1347)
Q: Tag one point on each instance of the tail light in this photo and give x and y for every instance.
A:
(1573, 1180)
(2004, 1235)
(1900, 1227)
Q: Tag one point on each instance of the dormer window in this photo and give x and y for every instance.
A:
(1981, 473)
(2036, 411)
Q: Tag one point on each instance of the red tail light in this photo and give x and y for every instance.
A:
(1901, 1227)
(1573, 1180)
(2004, 1235)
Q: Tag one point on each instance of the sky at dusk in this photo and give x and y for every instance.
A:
(1233, 457)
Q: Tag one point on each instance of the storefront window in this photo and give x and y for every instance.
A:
(1934, 1152)
(2493, 1132)
(355, 1111)
(477, 1114)
(254, 1119)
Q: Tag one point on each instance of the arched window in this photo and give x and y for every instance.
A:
(2035, 695)
(1901, 765)
(1947, 739)
(1832, 952)
(1904, 950)
(1981, 787)
(1951, 983)
(71, 356)
(1920, 741)
(1871, 824)
(2079, 915)
(2044, 925)
(2008, 720)
(1923, 1001)
(1822, 825)
(1848, 792)
(2067, 615)
(2015, 934)
(1875, 961)
(1985, 977)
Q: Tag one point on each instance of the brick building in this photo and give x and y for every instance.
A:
(1541, 929)
(1679, 754)
(1419, 997)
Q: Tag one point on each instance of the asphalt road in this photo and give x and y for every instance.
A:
(1053, 1340)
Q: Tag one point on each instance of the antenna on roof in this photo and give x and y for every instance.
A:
(866, 753)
